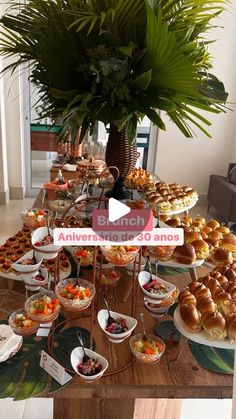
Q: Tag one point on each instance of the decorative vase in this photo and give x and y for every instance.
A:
(122, 155)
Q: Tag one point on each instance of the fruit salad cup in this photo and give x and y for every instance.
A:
(147, 351)
(120, 255)
(75, 294)
(22, 324)
(43, 307)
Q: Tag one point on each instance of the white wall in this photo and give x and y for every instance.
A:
(191, 161)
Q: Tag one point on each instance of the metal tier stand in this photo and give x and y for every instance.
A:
(97, 267)
(200, 338)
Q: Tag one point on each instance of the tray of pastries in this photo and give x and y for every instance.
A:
(13, 249)
(207, 308)
(213, 241)
(169, 198)
(137, 178)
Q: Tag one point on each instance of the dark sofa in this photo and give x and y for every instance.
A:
(222, 195)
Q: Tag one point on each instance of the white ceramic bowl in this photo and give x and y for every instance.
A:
(33, 284)
(119, 337)
(130, 266)
(49, 251)
(76, 358)
(144, 278)
(27, 269)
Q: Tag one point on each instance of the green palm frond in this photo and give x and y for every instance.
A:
(117, 60)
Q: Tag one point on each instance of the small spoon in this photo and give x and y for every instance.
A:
(85, 357)
(149, 268)
(143, 326)
(47, 218)
(110, 319)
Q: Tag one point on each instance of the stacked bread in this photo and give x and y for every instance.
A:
(209, 304)
(210, 240)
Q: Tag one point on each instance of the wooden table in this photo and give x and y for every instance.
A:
(169, 379)
(116, 396)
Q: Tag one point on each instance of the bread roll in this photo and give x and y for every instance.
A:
(213, 224)
(185, 254)
(216, 235)
(206, 304)
(229, 242)
(201, 249)
(191, 318)
(221, 255)
(200, 220)
(202, 292)
(230, 274)
(223, 230)
(206, 230)
(191, 236)
(193, 286)
(222, 280)
(215, 326)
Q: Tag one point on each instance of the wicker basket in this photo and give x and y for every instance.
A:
(121, 155)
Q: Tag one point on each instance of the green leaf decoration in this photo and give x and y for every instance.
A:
(23, 378)
(213, 359)
(166, 329)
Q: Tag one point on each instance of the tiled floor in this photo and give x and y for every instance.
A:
(194, 409)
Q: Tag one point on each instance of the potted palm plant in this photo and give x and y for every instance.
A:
(116, 61)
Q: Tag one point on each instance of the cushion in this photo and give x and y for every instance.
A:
(232, 175)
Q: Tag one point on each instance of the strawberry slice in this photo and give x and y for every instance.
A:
(150, 285)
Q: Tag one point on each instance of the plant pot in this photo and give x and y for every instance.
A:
(122, 155)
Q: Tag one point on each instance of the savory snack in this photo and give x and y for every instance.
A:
(185, 254)
(213, 224)
(215, 326)
(191, 318)
(221, 256)
(201, 249)
(35, 217)
(229, 242)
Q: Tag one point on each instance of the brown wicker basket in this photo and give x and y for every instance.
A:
(122, 155)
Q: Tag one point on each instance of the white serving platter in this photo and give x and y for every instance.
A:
(200, 337)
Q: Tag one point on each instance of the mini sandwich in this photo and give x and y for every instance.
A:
(229, 242)
(201, 248)
(222, 256)
(164, 206)
(191, 318)
(215, 326)
(185, 254)
(191, 236)
(216, 235)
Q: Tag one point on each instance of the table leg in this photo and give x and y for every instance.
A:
(193, 274)
(93, 408)
(234, 390)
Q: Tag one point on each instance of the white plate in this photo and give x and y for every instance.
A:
(144, 277)
(180, 210)
(70, 167)
(200, 337)
(26, 268)
(173, 264)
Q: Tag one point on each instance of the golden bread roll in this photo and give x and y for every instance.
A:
(221, 255)
(212, 224)
(222, 280)
(200, 220)
(230, 274)
(229, 242)
(191, 318)
(185, 254)
(223, 230)
(193, 286)
(231, 329)
(191, 236)
(215, 326)
(201, 249)
(206, 230)
(206, 304)
(216, 235)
